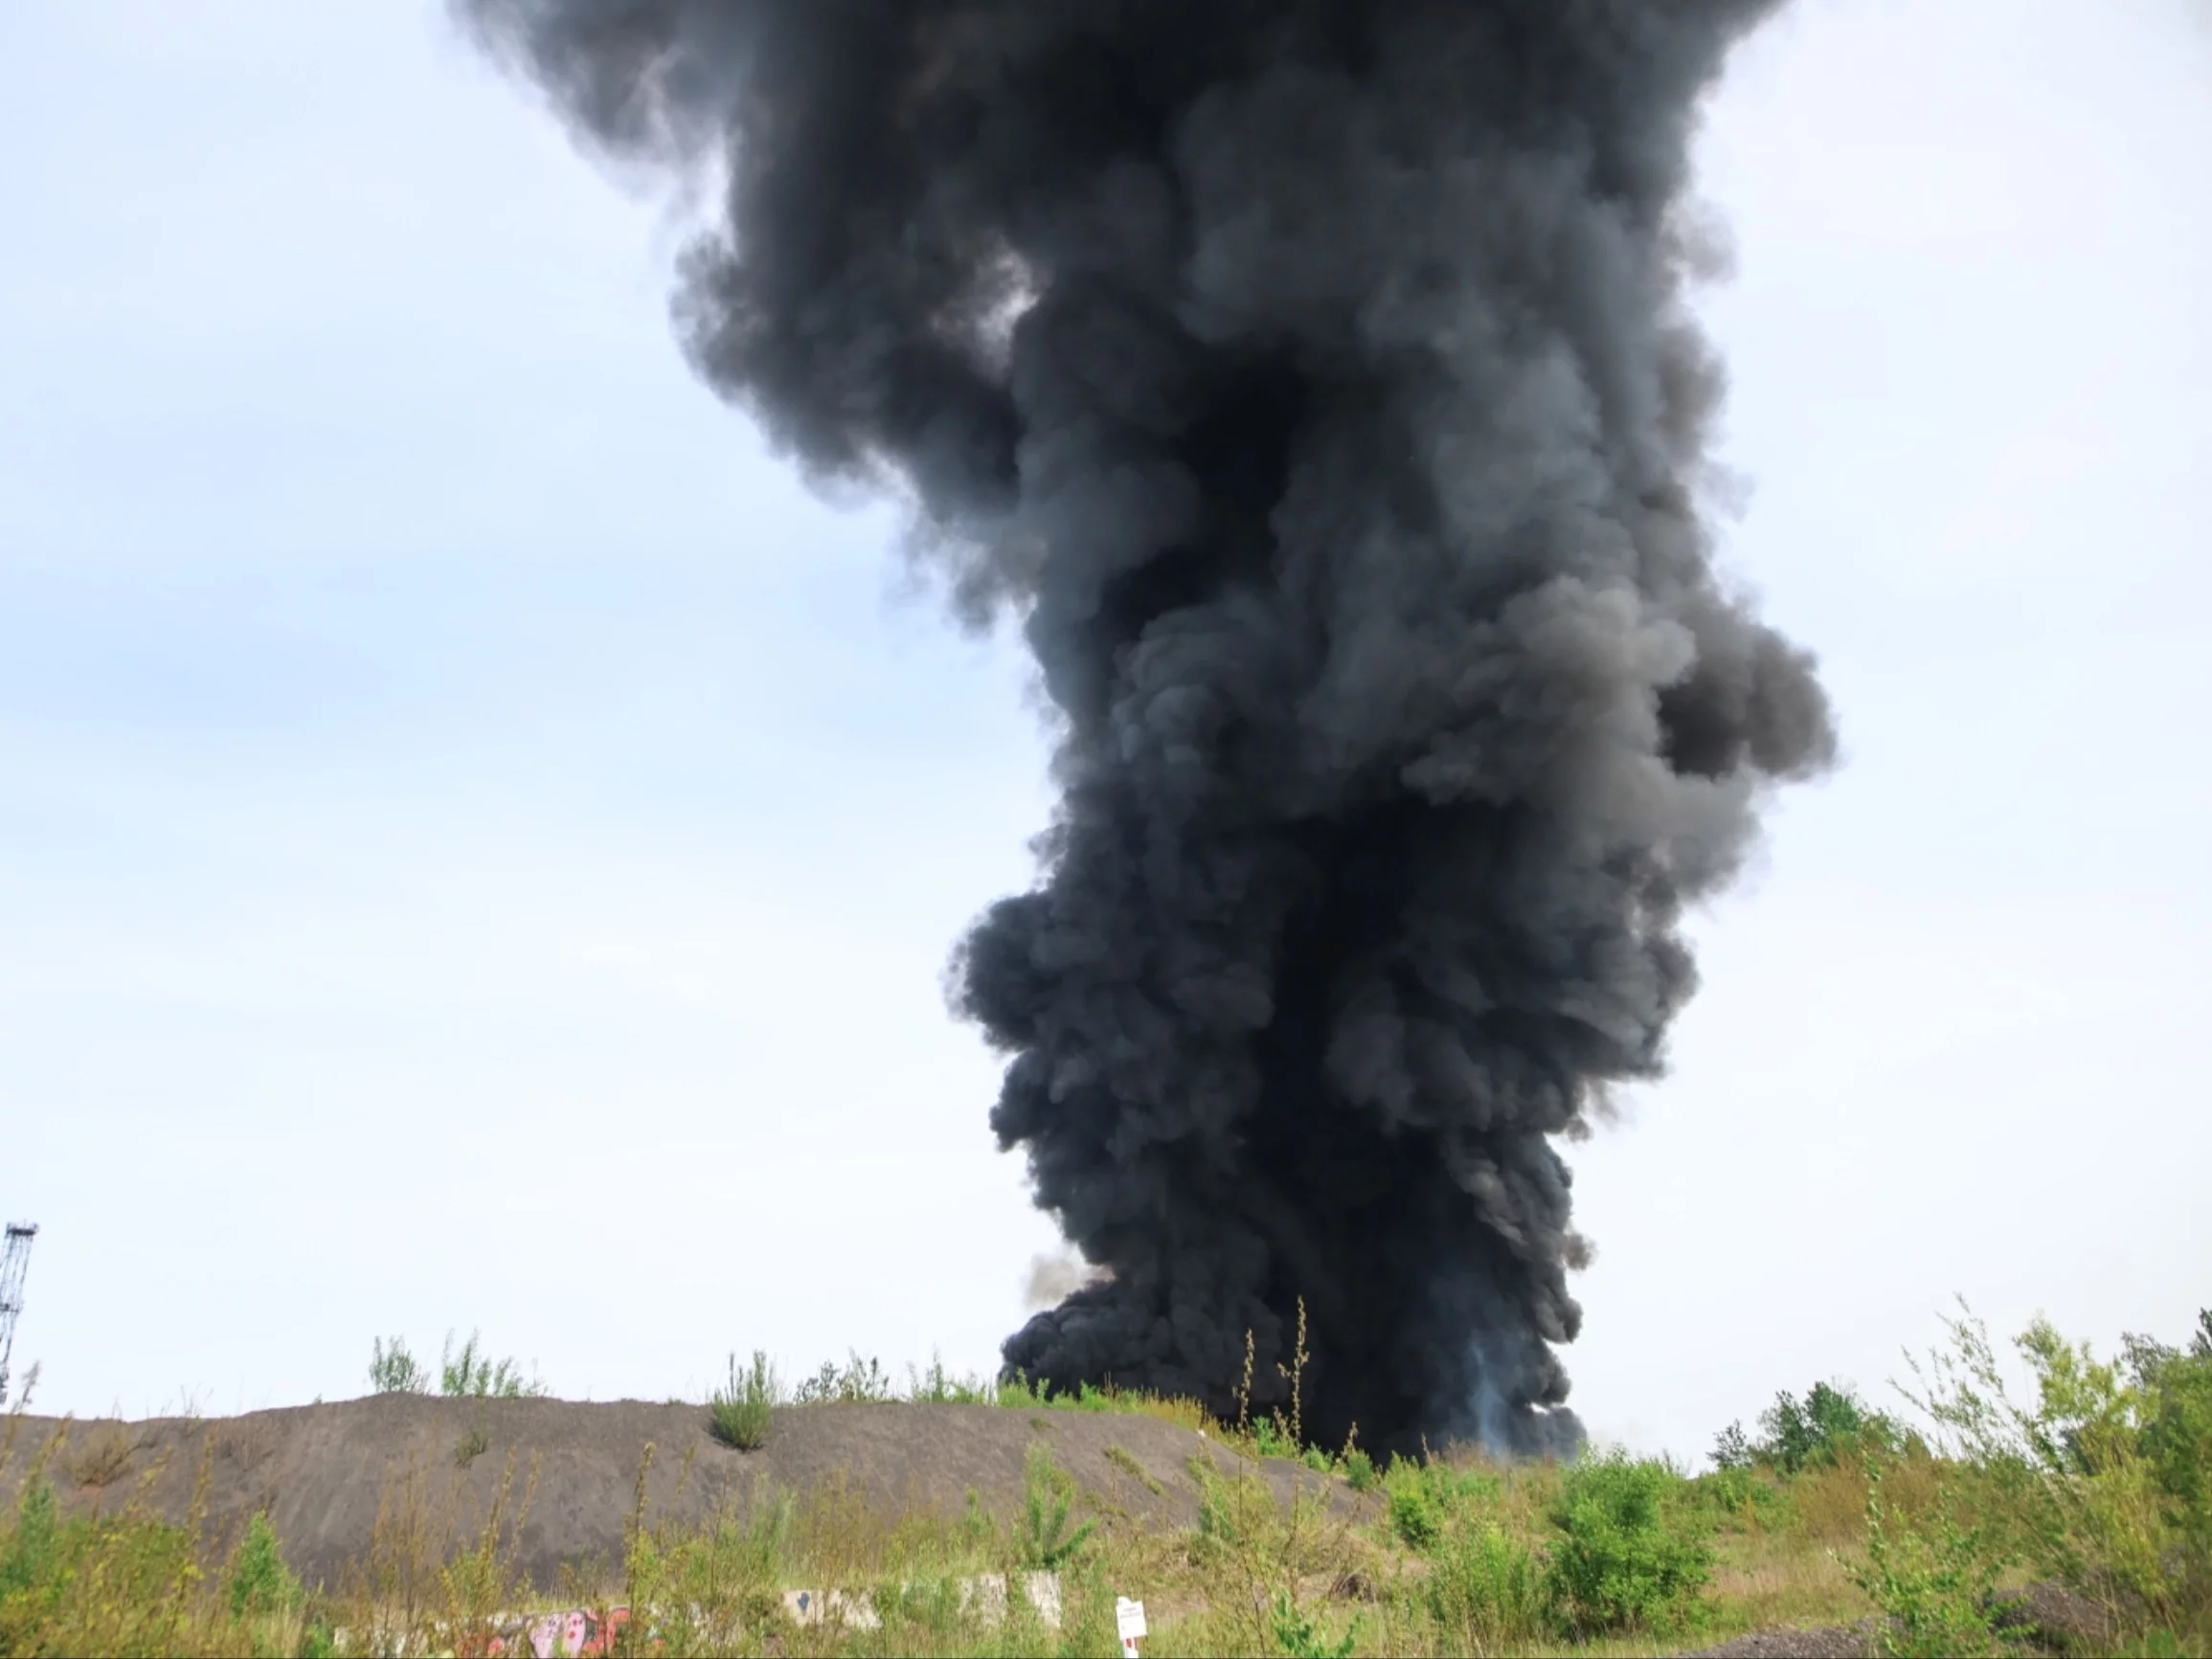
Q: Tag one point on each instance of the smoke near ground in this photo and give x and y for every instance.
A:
(1313, 380)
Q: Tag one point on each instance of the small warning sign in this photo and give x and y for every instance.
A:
(1129, 1619)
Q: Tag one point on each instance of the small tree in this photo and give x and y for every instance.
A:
(1832, 1423)
(1731, 1450)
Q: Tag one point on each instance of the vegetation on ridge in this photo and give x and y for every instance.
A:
(2095, 1488)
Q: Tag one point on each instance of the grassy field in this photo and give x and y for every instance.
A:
(2097, 1491)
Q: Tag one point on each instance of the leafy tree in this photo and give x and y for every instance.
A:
(1731, 1450)
(1830, 1423)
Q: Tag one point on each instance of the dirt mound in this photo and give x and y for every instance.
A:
(323, 1473)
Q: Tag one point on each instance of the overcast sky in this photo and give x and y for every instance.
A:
(479, 842)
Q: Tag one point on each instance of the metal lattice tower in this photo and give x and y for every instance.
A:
(14, 1258)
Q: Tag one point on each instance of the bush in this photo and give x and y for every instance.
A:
(32, 1552)
(470, 1375)
(260, 1583)
(394, 1370)
(107, 1584)
(1739, 1496)
(1415, 1505)
(738, 1413)
(2101, 1482)
(1487, 1589)
(1047, 1494)
(1422, 1498)
(937, 1386)
(1936, 1584)
(1299, 1637)
(2175, 1440)
(857, 1381)
(1621, 1558)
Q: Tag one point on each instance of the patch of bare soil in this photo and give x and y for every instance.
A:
(321, 1473)
(2038, 1619)
(1832, 1642)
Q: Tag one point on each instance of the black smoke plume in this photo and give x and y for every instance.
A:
(1313, 377)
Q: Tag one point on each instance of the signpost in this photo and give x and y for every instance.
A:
(1129, 1619)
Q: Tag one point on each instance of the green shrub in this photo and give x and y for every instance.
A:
(1047, 1494)
(1297, 1636)
(936, 1386)
(1935, 1583)
(1737, 1496)
(1415, 1506)
(471, 1374)
(2175, 1440)
(857, 1381)
(1421, 1499)
(2100, 1482)
(394, 1370)
(1622, 1558)
(31, 1557)
(260, 1583)
(1359, 1470)
(111, 1585)
(1488, 1589)
(740, 1412)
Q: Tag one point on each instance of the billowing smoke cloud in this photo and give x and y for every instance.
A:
(1313, 378)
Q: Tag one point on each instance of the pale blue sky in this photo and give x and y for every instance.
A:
(478, 841)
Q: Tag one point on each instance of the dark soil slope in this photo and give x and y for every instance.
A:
(435, 1468)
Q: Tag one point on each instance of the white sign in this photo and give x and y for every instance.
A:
(1129, 1618)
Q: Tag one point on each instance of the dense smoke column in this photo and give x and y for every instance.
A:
(1343, 462)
